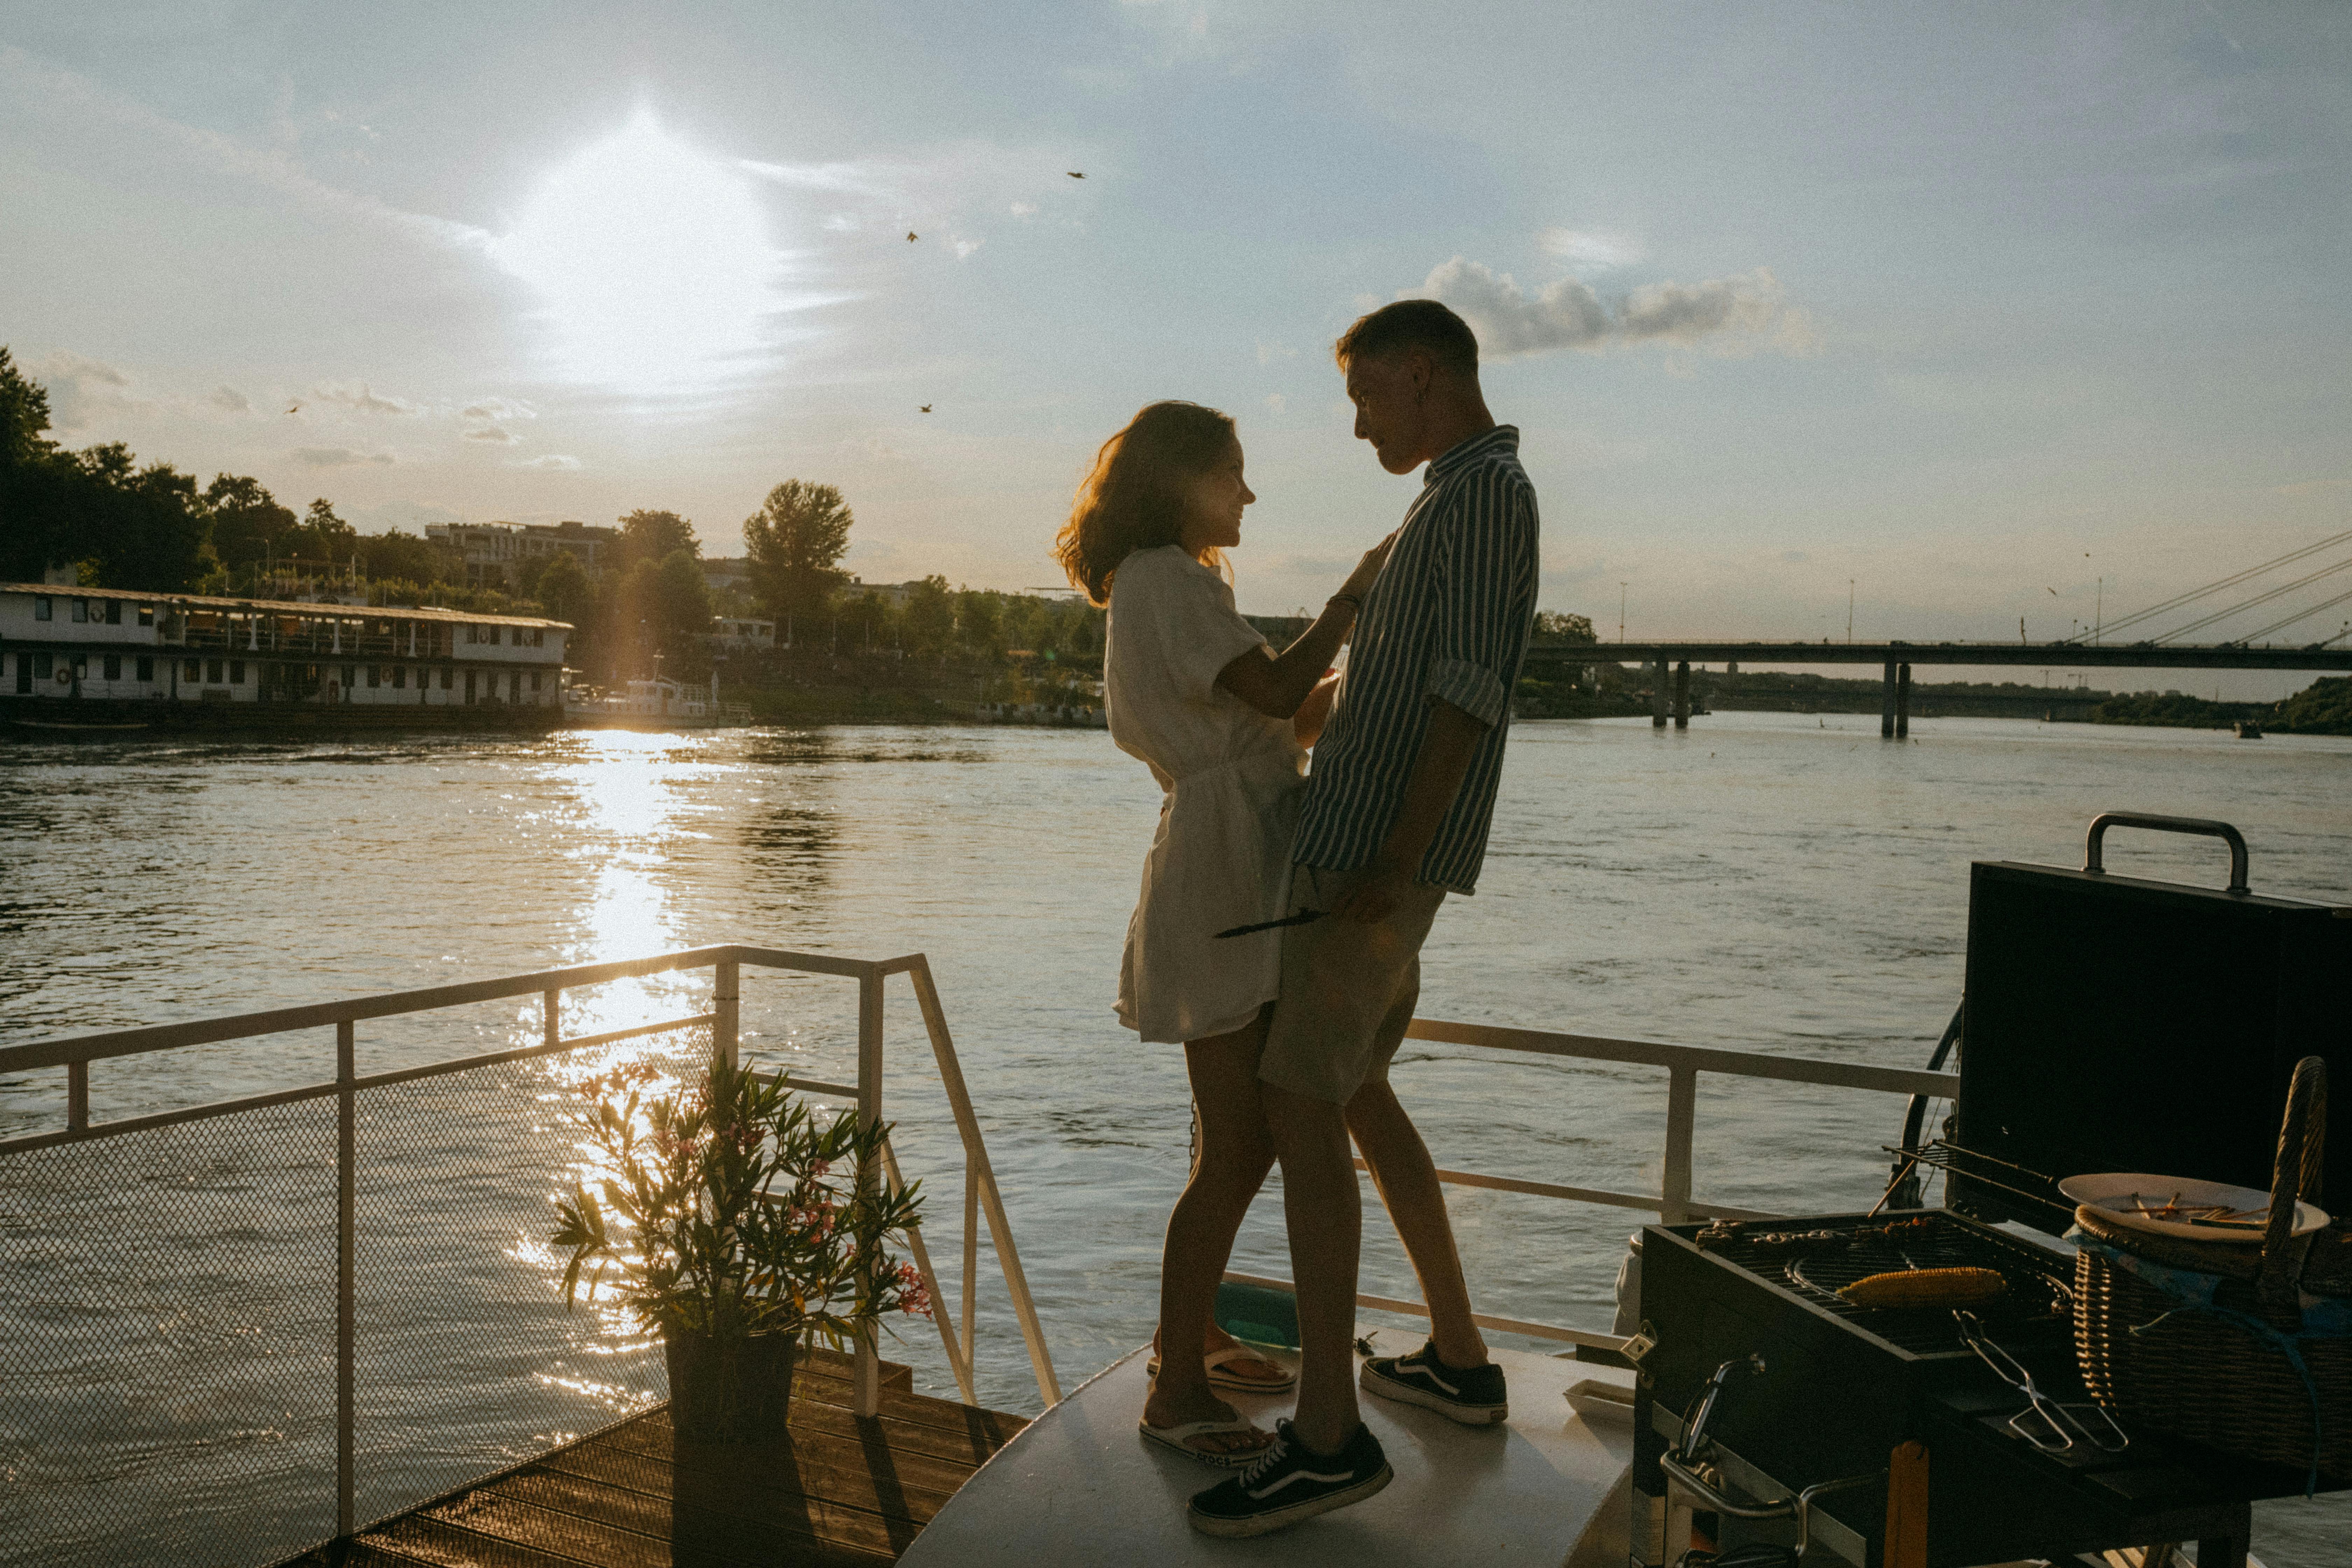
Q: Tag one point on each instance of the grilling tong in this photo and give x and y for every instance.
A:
(2045, 1423)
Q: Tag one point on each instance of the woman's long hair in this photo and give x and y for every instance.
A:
(1134, 497)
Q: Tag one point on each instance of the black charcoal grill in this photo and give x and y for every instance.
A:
(2111, 1024)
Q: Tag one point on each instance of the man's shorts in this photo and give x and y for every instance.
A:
(1348, 990)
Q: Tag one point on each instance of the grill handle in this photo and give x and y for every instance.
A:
(2093, 842)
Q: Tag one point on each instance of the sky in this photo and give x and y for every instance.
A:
(1970, 313)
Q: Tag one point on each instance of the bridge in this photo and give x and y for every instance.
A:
(1670, 663)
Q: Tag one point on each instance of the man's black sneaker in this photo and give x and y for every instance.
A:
(1473, 1395)
(1290, 1482)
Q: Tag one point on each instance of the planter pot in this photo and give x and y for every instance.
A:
(729, 1390)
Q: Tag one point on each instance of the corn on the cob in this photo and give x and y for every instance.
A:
(1925, 1288)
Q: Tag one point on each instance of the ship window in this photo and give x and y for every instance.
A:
(114, 667)
(473, 634)
(80, 610)
(146, 615)
(113, 612)
(192, 669)
(399, 676)
(41, 666)
(41, 611)
(237, 672)
(147, 670)
(534, 681)
(446, 676)
(375, 674)
(212, 672)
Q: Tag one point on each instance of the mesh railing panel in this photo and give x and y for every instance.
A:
(168, 1318)
(468, 1360)
(167, 1343)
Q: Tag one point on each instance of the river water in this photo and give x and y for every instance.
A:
(1769, 882)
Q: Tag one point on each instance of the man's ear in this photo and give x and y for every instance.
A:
(1423, 371)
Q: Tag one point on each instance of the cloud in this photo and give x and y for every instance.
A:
(492, 432)
(1023, 209)
(358, 396)
(553, 462)
(337, 457)
(1582, 248)
(1276, 403)
(230, 398)
(1269, 353)
(497, 408)
(79, 389)
(1737, 314)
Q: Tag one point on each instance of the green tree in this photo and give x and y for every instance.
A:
(248, 523)
(1556, 626)
(397, 555)
(563, 590)
(795, 541)
(980, 622)
(321, 536)
(928, 622)
(653, 537)
(23, 415)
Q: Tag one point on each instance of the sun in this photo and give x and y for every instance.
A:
(652, 261)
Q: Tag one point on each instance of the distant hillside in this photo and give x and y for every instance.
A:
(2323, 708)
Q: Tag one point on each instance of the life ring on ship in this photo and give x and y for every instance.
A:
(65, 678)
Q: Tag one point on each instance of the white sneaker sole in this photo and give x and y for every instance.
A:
(1371, 1382)
(1283, 1518)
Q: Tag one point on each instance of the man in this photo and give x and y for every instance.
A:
(1396, 816)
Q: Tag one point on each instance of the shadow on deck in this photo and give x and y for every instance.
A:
(840, 1488)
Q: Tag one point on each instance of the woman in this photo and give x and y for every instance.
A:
(1224, 723)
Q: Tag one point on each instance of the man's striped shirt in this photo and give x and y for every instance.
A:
(1448, 619)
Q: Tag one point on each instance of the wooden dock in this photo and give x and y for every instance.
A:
(839, 1490)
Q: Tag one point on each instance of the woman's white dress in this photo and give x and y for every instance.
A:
(1233, 777)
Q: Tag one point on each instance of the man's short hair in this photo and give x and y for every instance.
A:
(1407, 325)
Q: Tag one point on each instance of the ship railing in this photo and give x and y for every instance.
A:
(349, 1088)
(1673, 1202)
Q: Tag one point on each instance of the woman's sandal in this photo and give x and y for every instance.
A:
(1233, 1382)
(1175, 1437)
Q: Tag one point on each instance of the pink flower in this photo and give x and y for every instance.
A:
(914, 1296)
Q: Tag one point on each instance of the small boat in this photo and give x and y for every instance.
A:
(2247, 730)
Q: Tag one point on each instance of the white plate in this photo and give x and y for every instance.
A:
(2116, 1194)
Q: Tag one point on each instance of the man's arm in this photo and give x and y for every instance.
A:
(1447, 747)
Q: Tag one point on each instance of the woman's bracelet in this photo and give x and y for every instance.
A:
(1350, 600)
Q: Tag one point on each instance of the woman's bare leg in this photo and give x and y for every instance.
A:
(1234, 1156)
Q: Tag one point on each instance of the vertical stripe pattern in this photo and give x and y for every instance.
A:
(1448, 619)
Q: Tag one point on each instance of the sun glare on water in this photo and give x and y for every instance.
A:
(653, 261)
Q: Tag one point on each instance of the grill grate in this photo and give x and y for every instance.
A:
(1813, 1258)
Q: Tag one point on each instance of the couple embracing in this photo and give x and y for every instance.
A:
(1288, 1027)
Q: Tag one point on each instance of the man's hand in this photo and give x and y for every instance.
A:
(1372, 894)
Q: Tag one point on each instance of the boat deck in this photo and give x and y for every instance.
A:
(1548, 1487)
(838, 1489)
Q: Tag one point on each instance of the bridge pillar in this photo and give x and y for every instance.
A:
(1903, 702)
(1682, 695)
(1887, 705)
(1658, 695)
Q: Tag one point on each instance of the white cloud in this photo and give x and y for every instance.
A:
(492, 432)
(79, 389)
(1734, 315)
(554, 463)
(337, 457)
(1023, 209)
(497, 408)
(1269, 353)
(1581, 247)
(1276, 402)
(230, 398)
(964, 247)
(358, 397)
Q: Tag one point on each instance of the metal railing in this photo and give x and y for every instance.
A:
(349, 1090)
(1673, 1202)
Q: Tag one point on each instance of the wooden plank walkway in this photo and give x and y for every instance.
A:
(838, 1489)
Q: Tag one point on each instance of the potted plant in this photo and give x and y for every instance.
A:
(739, 1227)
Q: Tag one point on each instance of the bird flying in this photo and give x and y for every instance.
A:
(926, 408)
(1073, 174)
(293, 409)
(911, 237)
